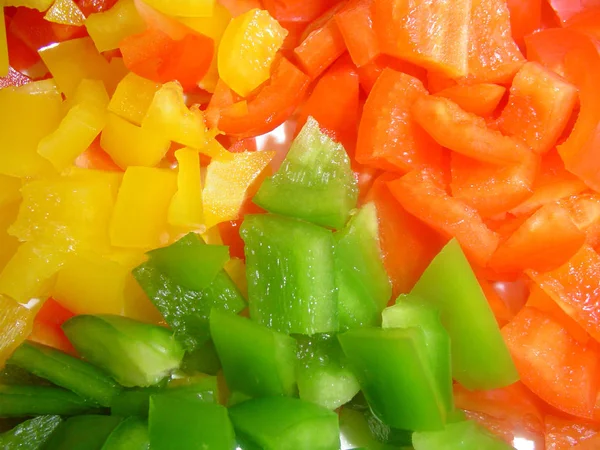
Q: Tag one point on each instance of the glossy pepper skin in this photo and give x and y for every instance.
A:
(480, 358)
(27, 401)
(66, 371)
(31, 434)
(130, 434)
(257, 361)
(463, 435)
(395, 374)
(290, 269)
(83, 433)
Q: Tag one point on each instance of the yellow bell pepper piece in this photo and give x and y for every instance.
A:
(3, 45)
(24, 120)
(169, 116)
(227, 183)
(213, 27)
(40, 5)
(30, 273)
(140, 216)
(65, 12)
(133, 97)
(70, 213)
(107, 29)
(184, 8)
(236, 269)
(111, 179)
(130, 145)
(91, 284)
(71, 61)
(10, 188)
(8, 243)
(247, 50)
(215, 150)
(185, 210)
(16, 323)
(76, 132)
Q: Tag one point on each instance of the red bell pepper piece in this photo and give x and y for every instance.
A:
(47, 326)
(388, 137)
(423, 195)
(587, 22)
(355, 22)
(579, 151)
(334, 103)
(574, 286)
(508, 412)
(543, 242)
(20, 56)
(539, 107)
(566, 9)
(407, 244)
(552, 363)
(271, 106)
(585, 212)
(96, 158)
(481, 99)
(525, 18)
(297, 10)
(88, 7)
(499, 308)
(369, 73)
(549, 47)
(465, 133)
(490, 189)
(566, 433)
(323, 43)
(437, 82)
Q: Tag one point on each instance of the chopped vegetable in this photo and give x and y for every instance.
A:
(27, 401)
(83, 432)
(31, 434)
(130, 434)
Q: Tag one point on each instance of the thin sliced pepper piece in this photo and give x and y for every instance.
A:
(422, 195)
(355, 22)
(31, 434)
(27, 401)
(185, 210)
(17, 321)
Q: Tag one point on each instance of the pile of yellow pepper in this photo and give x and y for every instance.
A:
(73, 232)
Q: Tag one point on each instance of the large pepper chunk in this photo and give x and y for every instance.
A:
(480, 358)
(314, 183)
(108, 28)
(291, 276)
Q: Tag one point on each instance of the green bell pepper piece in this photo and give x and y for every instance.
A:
(66, 371)
(203, 359)
(284, 423)
(83, 433)
(11, 375)
(24, 401)
(291, 274)
(410, 312)
(465, 435)
(31, 434)
(136, 402)
(323, 375)
(189, 262)
(396, 377)
(355, 428)
(186, 310)
(364, 287)
(130, 434)
(132, 352)
(480, 358)
(315, 181)
(184, 422)
(257, 361)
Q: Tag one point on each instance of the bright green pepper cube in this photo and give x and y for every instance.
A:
(131, 434)
(315, 181)
(465, 435)
(411, 312)
(323, 374)
(31, 434)
(66, 371)
(27, 401)
(396, 377)
(189, 262)
(284, 423)
(184, 422)
(480, 358)
(257, 361)
(291, 274)
(83, 433)
(186, 310)
(364, 287)
(133, 353)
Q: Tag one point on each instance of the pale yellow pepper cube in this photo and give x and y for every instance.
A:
(185, 210)
(140, 215)
(169, 116)
(16, 323)
(247, 50)
(65, 12)
(24, 120)
(133, 97)
(108, 28)
(131, 145)
(227, 183)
